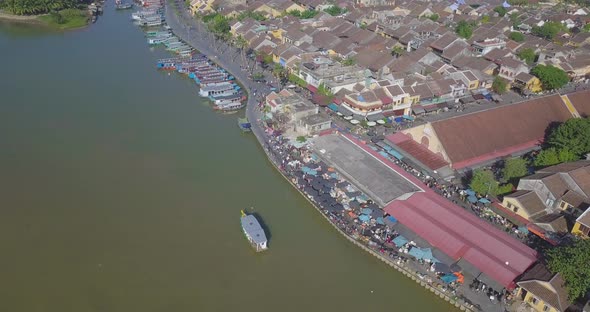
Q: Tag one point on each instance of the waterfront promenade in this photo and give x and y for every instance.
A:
(194, 33)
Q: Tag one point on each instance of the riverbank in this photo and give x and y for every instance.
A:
(68, 19)
(22, 19)
(198, 40)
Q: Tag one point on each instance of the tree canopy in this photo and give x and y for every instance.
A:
(433, 17)
(548, 31)
(573, 135)
(500, 10)
(499, 85)
(572, 263)
(516, 36)
(464, 29)
(303, 15)
(514, 168)
(335, 10)
(31, 7)
(528, 55)
(251, 14)
(551, 76)
(483, 182)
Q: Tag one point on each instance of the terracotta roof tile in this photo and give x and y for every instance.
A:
(500, 131)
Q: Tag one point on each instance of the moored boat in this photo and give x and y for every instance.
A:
(124, 6)
(254, 232)
(244, 124)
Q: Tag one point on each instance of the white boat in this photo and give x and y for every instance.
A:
(254, 232)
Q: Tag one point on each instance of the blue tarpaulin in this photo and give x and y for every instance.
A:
(400, 241)
(422, 253)
(333, 107)
(391, 219)
(523, 229)
(398, 119)
(367, 211)
(484, 200)
(384, 154)
(395, 154)
(309, 171)
(408, 117)
(380, 220)
(470, 192)
(449, 278)
(472, 199)
(364, 218)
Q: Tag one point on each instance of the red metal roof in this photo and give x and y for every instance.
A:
(462, 235)
(417, 150)
(456, 232)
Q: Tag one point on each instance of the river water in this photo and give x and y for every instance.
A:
(120, 190)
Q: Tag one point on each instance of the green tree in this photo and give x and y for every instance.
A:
(323, 90)
(251, 14)
(349, 61)
(301, 139)
(485, 19)
(573, 135)
(547, 157)
(515, 19)
(303, 15)
(433, 17)
(500, 10)
(548, 31)
(586, 28)
(551, 76)
(483, 182)
(505, 189)
(499, 85)
(527, 55)
(514, 168)
(464, 29)
(397, 51)
(335, 10)
(572, 263)
(516, 36)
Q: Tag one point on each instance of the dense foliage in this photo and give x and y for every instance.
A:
(251, 14)
(500, 10)
(217, 24)
(433, 17)
(567, 142)
(30, 7)
(516, 36)
(514, 168)
(335, 10)
(464, 29)
(483, 182)
(548, 31)
(527, 55)
(572, 263)
(499, 85)
(303, 15)
(551, 76)
(573, 135)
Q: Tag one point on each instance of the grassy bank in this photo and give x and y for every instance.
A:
(66, 19)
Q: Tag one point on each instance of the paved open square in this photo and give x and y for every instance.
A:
(364, 170)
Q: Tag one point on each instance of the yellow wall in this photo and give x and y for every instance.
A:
(534, 85)
(515, 203)
(473, 85)
(295, 7)
(576, 230)
(427, 131)
(277, 34)
(539, 305)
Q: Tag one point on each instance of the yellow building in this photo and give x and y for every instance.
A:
(527, 83)
(276, 9)
(544, 295)
(525, 204)
(582, 225)
(202, 6)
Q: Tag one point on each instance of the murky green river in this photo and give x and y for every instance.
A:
(120, 190)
